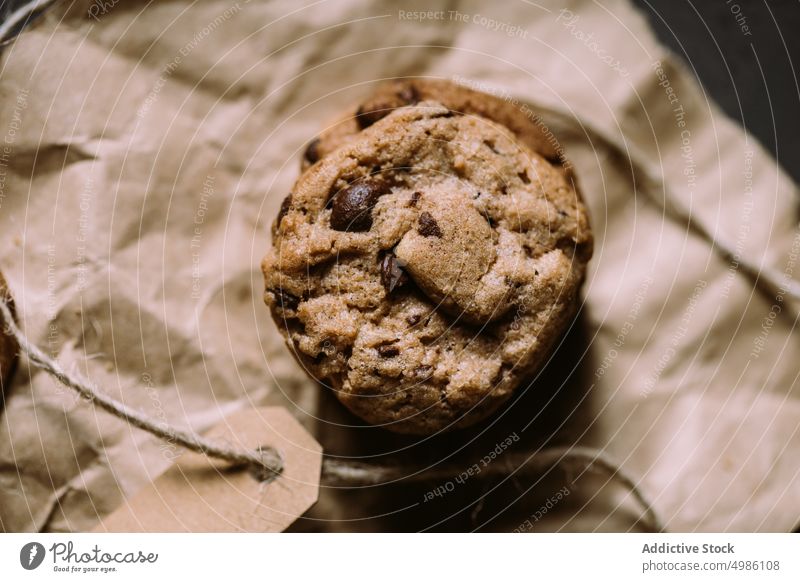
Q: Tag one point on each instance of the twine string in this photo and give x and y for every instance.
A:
(265, 458)
(338, 473)
(20, 16)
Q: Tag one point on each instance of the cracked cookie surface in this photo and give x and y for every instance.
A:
(424, 268)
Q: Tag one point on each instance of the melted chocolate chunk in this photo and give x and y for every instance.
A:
(367, 117)
(352, 207)
(428, 225)
(312, 151)
(285, 205)
(369, 113)
(392, 275)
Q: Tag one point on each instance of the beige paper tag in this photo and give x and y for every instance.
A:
(198, 494)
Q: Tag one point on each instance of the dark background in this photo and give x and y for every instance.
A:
(753, 78)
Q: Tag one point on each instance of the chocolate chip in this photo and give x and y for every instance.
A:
(366, 116)
(284, 299)
(312, 151)
(369, 113)
(524, 177)
(285, 205)
(428, 225)
(352, 207)
(388, 351)
(392, 275)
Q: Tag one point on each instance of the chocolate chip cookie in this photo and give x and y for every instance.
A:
(522, 122)
(426, 267)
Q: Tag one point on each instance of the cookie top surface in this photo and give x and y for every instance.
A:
(520, 119)
(426, 266)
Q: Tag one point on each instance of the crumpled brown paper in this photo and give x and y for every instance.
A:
(146, 148)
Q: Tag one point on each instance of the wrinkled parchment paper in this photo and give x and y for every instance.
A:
(146, 149)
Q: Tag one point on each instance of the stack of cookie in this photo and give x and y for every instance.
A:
(429, 256)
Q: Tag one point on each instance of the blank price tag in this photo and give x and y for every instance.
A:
(198, 494)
